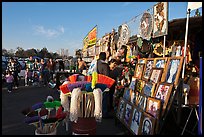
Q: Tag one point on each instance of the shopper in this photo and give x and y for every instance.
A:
(9, 81)
(51, 65)
(81, 65)
(29, 70)
(61, 65)
(103, 68)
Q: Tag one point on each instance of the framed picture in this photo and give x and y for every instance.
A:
(147, 124)
(133, 83)
(160, 23)
(139, 86)
(160, 62)
(139, 70)
(141, 101)
(163, 92)
(148, 89)
(142, 60)
(121, 109)
(155, 75)
(127, 94)
(128, 114)
(135, 120)
(147, 70)
(172, 73)
(153, 107)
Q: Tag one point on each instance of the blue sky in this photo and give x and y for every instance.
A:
(57, 25)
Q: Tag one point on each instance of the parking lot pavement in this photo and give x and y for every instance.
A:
(13, 103)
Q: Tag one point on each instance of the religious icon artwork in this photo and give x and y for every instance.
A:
(153, 107)
(149, 88)
(135, 122)
(121, 109)
(141, 101)
(148, 68)
(163, 92)
(128, 113)
(160, 13)
(139, 70)
(140, 85)
(155, 75)
(124, 34)
(160, 62)
(146, 26)
(147, 124)
(174, 66)
(126, 94)
(133, 83)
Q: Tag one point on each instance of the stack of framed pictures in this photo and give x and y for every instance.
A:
(145, 101)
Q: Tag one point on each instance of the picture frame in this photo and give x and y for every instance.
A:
(141, 101)
(147, 69)
(133, 83)
(127, 94)
(128, 114)
(153, 107)
(136, 120)
(163, 92)
(121, 109)
(140, 85)
(149, 89)
(155, 75)
(172, 73)
(147, 124)
(160, 17)
(139, 70)
(160, 62)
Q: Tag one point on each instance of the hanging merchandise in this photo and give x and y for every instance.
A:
(158, 49)
(139, 42)
(124, 34)
(146, 26)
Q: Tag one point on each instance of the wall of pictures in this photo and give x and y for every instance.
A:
(145, 101)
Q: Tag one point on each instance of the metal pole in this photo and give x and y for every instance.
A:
(164, 49)
(185, 44)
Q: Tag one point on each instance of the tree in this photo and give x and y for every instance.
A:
(43, 52)
(20, 52)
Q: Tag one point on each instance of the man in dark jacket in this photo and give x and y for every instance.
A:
(103, 68)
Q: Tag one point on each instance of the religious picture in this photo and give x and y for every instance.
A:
(153, 107)
(148, 89)
(128, 112)
(121, 109)
(146, 26)
(148, 68)
(148, 124)
(155, 75)
(135, 123)
(139, 71)
(160, 26)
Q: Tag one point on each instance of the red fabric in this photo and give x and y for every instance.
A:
(64, 89)
(73, 78)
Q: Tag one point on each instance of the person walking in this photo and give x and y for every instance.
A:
(29, 70)
(51, 65)
(12, 67)
(44, 72)
(9, 81)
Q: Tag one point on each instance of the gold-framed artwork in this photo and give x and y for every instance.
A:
(149, 89)
(139, 70)
(140, 85)
(160, 23)
(172, 73)
(155, 75)
(163, 92)
(147, 124)
(142, 60)
(126, 94)
(147, 69)
(128, 114)
(133, 83)
(160, 62)
(141, 101)
(136, 120)
(153, 107)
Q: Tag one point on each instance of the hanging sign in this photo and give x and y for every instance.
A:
(124, 34)
(146, 26)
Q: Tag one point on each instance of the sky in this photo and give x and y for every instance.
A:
(63, 25)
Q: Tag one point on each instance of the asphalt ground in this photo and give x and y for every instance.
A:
(12, 118)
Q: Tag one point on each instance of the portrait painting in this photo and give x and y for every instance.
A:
(141, 101)
(155, 75)
(163, 92)
(148, 124)
(126, 94)
(133, 83)
(149, 88)
(135, 122)
(153, 107)
(147, 69)
(174, 67)
(121, 109)
(139, 70)
(128, 113)
(160, 19)
(146, 25)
